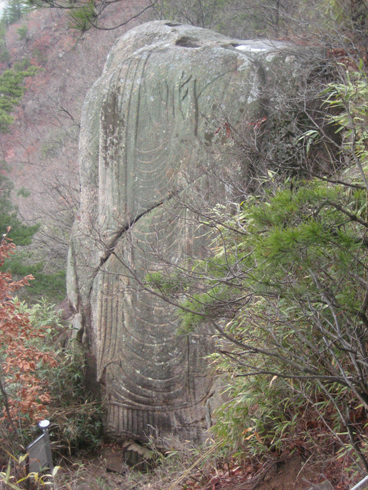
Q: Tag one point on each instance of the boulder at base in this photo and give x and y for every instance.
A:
(158, 148)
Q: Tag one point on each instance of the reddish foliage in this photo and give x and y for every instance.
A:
(19, 359)
(42, 42)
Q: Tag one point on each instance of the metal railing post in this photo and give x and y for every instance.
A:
(44, 425)
(39, 451)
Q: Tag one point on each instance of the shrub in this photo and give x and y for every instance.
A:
(38, 377)
(24, 394)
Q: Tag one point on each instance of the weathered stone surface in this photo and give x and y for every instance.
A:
(155, 134)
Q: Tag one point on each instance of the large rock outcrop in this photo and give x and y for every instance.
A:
(158, 129)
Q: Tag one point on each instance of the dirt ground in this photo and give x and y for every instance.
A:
(290, 474)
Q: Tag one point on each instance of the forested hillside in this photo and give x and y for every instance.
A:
(284, 287)
(40, 146)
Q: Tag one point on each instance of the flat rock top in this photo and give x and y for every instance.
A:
(163, 34)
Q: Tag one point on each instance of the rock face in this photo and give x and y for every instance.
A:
(157, 131)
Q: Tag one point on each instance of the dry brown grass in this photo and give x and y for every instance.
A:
(92, 475)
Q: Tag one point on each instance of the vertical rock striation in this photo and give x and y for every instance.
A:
(155, 135)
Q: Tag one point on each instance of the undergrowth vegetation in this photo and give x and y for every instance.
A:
(285, 294)
(40, 378)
